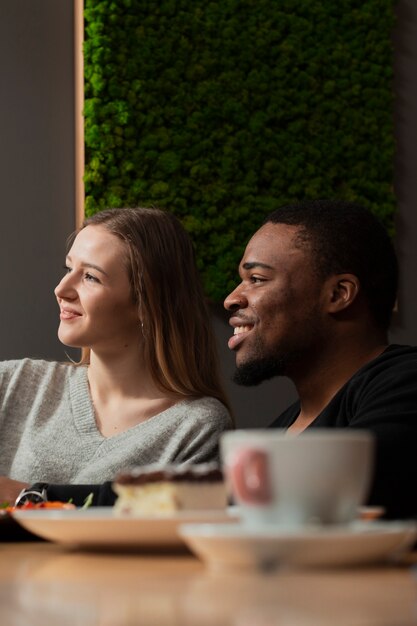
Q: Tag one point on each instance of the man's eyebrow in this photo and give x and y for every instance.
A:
(252, 264)
(86, 265)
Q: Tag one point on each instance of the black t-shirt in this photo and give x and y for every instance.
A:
(380, 397)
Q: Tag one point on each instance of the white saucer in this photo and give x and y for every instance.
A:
(359, 543)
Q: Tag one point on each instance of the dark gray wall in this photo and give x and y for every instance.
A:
(37, 188)
(404, 329)
(36, 170)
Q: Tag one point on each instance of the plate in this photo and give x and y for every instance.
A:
(10, 530)
(222, 546)
(99, 526)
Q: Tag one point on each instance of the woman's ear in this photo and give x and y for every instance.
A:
(342, 291)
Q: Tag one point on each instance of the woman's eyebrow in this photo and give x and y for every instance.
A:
(92, 265)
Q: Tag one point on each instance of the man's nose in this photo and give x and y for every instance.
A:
(236, 300)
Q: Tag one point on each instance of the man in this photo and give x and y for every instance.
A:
(318, 286)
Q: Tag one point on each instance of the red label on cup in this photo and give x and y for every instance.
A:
(250, 476)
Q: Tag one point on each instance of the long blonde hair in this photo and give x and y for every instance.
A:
(179, 344)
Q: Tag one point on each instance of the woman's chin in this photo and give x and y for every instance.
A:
(70, 342)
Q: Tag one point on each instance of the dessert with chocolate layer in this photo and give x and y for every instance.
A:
(156, 490)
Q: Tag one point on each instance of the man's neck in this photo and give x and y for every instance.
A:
(324, 378)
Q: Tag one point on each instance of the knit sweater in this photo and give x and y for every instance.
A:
(48, 430)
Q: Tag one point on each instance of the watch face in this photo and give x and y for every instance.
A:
(30, 496)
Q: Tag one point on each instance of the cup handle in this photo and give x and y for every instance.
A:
(250, 476)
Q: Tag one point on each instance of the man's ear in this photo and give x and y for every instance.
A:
(342, 291)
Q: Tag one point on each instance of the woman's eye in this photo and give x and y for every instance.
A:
(91, 278)
(67, 269)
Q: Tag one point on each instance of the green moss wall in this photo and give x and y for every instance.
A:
(221, 110)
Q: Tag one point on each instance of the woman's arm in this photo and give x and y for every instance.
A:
(102, 495)
(10, 489)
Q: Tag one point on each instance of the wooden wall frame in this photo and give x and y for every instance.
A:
(78, 107)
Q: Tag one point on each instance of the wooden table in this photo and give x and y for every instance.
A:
(44, 584)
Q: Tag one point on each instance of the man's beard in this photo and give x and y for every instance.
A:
(256, 371)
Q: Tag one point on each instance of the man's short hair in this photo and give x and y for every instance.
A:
(347, 238)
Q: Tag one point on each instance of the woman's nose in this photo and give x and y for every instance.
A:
(65, 288)
(235, 300)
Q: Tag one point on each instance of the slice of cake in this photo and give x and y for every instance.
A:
(156, 490)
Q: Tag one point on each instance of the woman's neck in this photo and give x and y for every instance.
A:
(123, 393)
(124, 375)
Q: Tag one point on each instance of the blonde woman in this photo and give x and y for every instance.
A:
(147, 389)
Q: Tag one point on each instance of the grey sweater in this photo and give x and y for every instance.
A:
(48, 430)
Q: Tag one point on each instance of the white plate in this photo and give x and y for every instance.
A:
(360, 543)
(99, 526)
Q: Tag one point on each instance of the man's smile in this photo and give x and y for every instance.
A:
(240, 332)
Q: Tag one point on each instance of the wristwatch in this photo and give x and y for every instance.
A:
(35, 493)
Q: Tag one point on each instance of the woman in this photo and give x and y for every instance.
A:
(147, 389)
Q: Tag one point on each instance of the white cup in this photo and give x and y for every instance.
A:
(319, 476)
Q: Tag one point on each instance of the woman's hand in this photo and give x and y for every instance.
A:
(10, 489)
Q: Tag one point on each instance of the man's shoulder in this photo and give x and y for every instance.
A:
(394, 372)
(395, 350)
(382, 391)
(395, 359)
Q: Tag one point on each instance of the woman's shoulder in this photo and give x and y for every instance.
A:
(33, 369)
(205, 408)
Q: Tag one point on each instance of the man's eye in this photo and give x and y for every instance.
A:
(256, 279)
